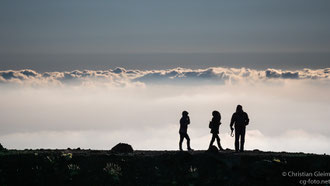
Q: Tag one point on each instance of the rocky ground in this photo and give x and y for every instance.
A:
(93, 167)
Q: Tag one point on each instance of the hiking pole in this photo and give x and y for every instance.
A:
(232, 133)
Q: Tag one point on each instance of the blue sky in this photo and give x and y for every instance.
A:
(36, 30)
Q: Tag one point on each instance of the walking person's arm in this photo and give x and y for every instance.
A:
(247, 120)
(232, 122)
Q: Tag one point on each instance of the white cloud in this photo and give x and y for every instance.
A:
(120, 105)
(122, 77)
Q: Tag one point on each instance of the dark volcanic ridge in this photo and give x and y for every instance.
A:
(141, 167)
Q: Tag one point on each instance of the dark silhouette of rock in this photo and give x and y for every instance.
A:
(213, 149)
(2, 148)
(256, 150)
(122, 148)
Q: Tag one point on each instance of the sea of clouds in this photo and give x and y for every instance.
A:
(289, 110)
(121, 76)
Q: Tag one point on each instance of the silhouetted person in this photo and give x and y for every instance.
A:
(184, 122)
(214, 126)
(240, 119)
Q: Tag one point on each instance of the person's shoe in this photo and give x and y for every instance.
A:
(190, 149)
(221, 149)
(180, 149)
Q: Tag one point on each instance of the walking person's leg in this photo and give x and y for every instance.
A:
(237, 134)
(212, 141)
(188, 141)
(218, 141)
(242, 139)
(181, 140)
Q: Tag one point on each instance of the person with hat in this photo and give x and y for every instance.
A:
(184, 122)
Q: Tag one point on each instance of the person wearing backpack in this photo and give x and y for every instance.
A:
(214, 126)
(240, 120)
(184, 122)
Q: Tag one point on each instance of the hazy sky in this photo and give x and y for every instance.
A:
(82, 34)
(288, 110)
(59, 85)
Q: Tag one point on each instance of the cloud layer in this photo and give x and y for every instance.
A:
(70, 115)
(121, 76)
